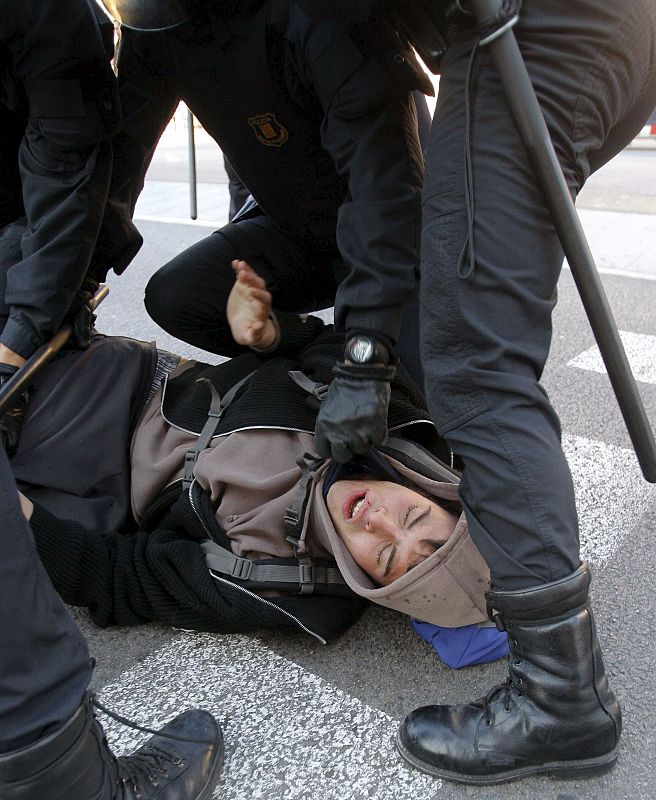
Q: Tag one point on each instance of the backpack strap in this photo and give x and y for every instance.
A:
(300, 575)
(305, 575)
(319, 390)
(418, 458)
(296, 518)
(217, 407)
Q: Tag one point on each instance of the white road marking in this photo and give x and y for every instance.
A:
(611, 494)
(640, 351)
(289, 734)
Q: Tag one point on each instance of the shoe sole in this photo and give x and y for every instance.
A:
(559, 770)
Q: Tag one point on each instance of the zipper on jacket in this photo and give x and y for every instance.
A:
(195, 510)
(267, 603)
(241, 588)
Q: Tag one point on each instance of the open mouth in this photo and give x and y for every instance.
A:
(354, 505)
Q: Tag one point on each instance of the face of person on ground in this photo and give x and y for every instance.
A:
(386, 527)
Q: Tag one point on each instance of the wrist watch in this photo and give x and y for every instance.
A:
(362, 349)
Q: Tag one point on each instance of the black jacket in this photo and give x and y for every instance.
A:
(58, 108)
(159, 572)
(317, 120)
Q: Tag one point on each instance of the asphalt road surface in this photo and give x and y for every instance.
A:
(304, 720)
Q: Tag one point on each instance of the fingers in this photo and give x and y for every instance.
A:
(337, 448)
(261, 296)
(245, 274)
(251, 285)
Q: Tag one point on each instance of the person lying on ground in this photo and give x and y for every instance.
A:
(259, 532)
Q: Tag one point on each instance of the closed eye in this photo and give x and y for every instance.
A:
(388, 567)
(416, 520)
(381, 551)
(407, 513)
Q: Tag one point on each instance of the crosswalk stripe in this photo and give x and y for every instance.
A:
(611, 494)
(289, 734)
(640, 352)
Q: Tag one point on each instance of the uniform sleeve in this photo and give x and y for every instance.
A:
(370, 131)
(64, 162)
(148, 102)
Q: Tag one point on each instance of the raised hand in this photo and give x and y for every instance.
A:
(249, 309)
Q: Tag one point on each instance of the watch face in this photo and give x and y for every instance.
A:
(361, 350)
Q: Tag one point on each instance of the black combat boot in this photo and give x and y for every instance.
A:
(181, 762)
(555, 714)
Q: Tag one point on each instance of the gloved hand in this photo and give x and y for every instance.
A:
(80, 316)
(354, 414)
(11, 421)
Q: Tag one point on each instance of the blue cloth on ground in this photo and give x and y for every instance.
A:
(462, 647)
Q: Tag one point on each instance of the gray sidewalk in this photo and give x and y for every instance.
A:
(622, 243)
(168, 201)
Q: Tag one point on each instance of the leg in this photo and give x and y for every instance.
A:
(485, 343)
(486, 336)
(187, 296)
(36, 631)
(50, 743)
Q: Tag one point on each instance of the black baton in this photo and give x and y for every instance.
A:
(528, 117)
(40, 358)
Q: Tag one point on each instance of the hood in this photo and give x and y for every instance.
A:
(448, 588)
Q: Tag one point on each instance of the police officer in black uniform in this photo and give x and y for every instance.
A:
(317, 119)
(58, 108)
(490, 252)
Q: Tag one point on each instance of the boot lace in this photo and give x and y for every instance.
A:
(128, 723)
(512, 683)
(150, 762)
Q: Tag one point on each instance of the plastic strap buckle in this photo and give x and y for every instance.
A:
(242, 569)
(191, 457)
(306, 574)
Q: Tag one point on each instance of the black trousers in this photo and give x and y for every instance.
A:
(188, 295)
(44, 662)
(486, 323)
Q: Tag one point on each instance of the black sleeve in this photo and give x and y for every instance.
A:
(370, 131)
(64, 161)
(148, 102)
(318, 359)
(130, 580)
(296, 333)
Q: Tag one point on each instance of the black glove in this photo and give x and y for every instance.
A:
(11, 421)
(354, 414)
(80, 316)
